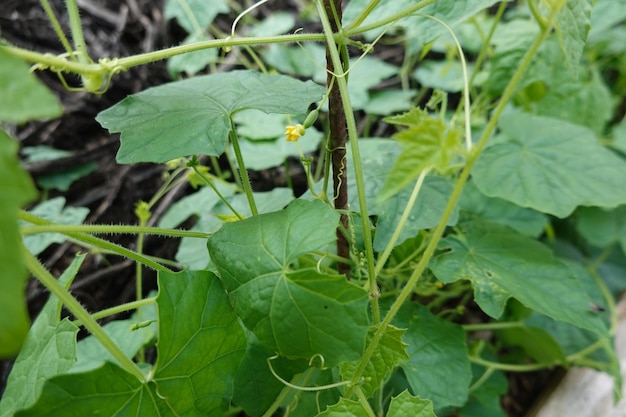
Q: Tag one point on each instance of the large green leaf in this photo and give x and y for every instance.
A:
(389, 353)
(438, 367)
(298, 313)
(525, 221)
(49, 350)
(107, 391)
(551, 166)
(192, 116)
(572, 25)
(503, 264)
(201, 344)
(24, 97)
(16, 190)
(404, 404)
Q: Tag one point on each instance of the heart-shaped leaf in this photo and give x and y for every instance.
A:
(193, 116)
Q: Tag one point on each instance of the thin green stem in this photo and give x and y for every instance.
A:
(454, 197)
(492, 326)
(382, 259)
(486, 42)
(133, 305)
(57, 27)
(208, 181)
(77, 31)
(245, 179)
(42, 274)
(363, 401)
(483, 378)
(110, 229)
(512, 367)
(364, 14)
(535, 12)
(358, 169)
(351, 31)
(97, 242)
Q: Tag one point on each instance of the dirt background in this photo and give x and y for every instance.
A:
(118, 28)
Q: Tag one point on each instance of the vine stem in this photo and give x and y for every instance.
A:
(110, 229)
(100, 243)
(358, 169)
(245, 179)
(456, 193)
(50, 282)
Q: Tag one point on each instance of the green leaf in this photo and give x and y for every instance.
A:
(91, 354)
(195, 15)
(62, 180)
(422, 29)
(427, 142)
(503, 264)
(106, 391)
(572, 26)
(53, 211)
(298, 313)
(389, 101)
(256, 387)
(390, 353)
(16, 190)
(602, 227)
(303, 60)
(484, 400)
(426, 213)
(192, 116)
(404, 404)
(345, 408)
(523, 220)
(438, 366)
(551, 166)
(277, 23)
(442, 75)
(201, 344)
(192, 62)
(24, 97)
(49, 350)
(587, 102)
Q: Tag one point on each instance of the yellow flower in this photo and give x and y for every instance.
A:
(293, 133)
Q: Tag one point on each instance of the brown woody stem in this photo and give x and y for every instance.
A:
(338, 137)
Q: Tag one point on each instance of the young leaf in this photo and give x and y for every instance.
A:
(201, 344)
(298, 313)
(502, 264)
(106, 391)
(427, 143)
(438, 367)
(572, 26)
(551, 166)
(192, 116)
(390, 353)
(345, 408)
(24, 97)
(49, 350)
(16, 190)
(404, 404)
